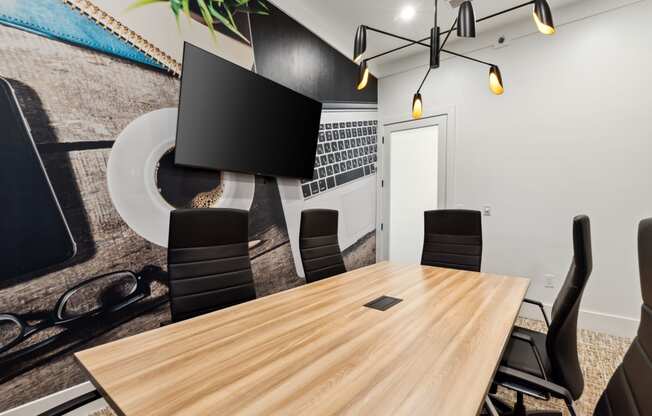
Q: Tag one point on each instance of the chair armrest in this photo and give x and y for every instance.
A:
(555, 390)
(73, 404)
(540, 305)
(526, 338)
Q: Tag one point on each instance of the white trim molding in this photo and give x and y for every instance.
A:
(620, 326)
(45, 403)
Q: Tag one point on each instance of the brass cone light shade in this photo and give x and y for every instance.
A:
(363, 76)
(360, 45)
(466, 21)
(496, 81)
(417, 106)
(543, 17)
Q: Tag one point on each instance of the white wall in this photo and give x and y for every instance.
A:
(572, 134)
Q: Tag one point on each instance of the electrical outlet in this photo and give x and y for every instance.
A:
(486, 210)
(550, 281)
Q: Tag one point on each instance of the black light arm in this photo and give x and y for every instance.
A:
(412, 41)
(424, 80)
(448, 35)
(392, 50)
(447, 32)
(543, 18)
(467, 57)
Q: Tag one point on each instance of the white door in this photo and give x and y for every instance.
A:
(415, 181)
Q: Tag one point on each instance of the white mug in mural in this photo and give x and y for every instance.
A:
(145, 186)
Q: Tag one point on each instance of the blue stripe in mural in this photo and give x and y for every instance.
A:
(56, 20)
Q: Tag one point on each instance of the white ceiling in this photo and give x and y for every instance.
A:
(337, 20)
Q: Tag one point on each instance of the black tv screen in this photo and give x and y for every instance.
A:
(235, 120)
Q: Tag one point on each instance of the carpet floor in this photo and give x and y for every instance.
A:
(599, 354)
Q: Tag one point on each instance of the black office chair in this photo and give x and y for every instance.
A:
(629, 392)
(547, 365)
(208, 261)
(319, 247)
(453, 239)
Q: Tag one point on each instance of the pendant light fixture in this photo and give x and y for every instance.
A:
(496, 80)
(466, 20)
(417, 106)
(360, 44)
(363, 75)
(543, 17)
(465, 26)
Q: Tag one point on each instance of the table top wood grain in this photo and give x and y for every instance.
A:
(317, 350)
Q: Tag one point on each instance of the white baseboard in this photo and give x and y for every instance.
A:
(619, 326)
(41, 405)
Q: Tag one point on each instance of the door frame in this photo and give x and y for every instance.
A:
(445, 121)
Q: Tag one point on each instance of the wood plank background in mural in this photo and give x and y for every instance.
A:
(76, 102)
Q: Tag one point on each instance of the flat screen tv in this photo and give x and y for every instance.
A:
(235, 120)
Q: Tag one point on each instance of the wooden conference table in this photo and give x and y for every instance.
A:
(316, 350)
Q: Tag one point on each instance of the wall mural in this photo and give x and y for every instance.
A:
(88, 181)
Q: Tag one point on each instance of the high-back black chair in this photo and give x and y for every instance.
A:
(453, 239)
(544, 365)
(319, 246)
(208, 261)
(629, 392)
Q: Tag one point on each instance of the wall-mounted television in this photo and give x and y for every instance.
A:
(235, 120)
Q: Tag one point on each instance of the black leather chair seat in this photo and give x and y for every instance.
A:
(520, 356)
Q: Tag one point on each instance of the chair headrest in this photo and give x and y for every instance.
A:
(453, 221)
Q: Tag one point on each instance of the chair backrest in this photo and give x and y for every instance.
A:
(629, 392)
(320, 249)
(453, 239)
(208, 261)
(561, 341)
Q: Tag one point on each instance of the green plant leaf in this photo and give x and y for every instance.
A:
(141, 3)
(226, 22)
(176, 5)
(229, 15)
(222, 10)
(208, 18)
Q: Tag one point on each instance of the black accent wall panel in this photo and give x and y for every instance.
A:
(290, 54)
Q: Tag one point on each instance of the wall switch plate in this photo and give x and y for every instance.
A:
(549, 281)
(486, 210)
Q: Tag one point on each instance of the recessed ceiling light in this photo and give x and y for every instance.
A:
(407, 13)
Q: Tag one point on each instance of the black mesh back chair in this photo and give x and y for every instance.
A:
(320, 249)
(208, 261)
(544, 365)
(453, 239)
(629, 392)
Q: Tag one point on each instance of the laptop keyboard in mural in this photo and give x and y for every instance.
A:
(346, 151)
